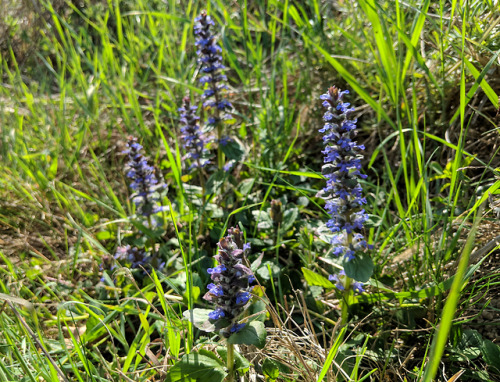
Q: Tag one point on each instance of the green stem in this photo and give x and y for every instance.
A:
(151, 242)
(220, 154)
(277, 256)
(216, 113)
(230, 362)
(202, 177)
(346, 296)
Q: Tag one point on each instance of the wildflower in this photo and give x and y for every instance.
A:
(210, 58)
(342, 172)
(340, 280)
(136, 258)
(194, 141)
(144, 182)
(229, 165)
(236, 328)
(225, 140)
(230, 288)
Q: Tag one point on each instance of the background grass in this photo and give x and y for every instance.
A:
(78, 77)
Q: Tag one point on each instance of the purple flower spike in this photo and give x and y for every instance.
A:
(136, 258)
(230, 291)
(342, 172)
(193, 139)
(210, 58)
(144, 182)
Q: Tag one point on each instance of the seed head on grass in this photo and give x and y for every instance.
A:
(144, 182)
(230, 290)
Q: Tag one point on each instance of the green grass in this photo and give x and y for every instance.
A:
(423, 78)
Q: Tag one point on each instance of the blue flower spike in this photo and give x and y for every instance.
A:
(342, 172)
(147, 189)
(193, 140)
(210, 58)
(230, 290)
(213, 81)
(343, 192)
(136, 258)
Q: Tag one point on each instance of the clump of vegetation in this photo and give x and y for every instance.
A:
(134, 134)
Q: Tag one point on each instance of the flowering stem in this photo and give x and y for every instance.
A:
(343, 191)
(230, 362)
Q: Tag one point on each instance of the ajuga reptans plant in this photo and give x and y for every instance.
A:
(193, 139)
(229, 294)
(213, 79)
(230, 290)
(147, 189)
(343, 192)
(146, 197)
(137, 258)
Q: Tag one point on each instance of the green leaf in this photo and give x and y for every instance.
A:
(51, 174)
(33, 273)
(195, 294)
(259, 309)
(263, 270)
(210, 354)
(313, 278)
(104, 235)
(92, 322)
(263, 219)
(289, 218)
(199, 318)
(195, 367)
(254, 333)
(215, 182)
(360, 268)
(241, 364)
(491, 354)
(233, 150)
(470, 338)
(270, 369)
(246, 185)
(373, 221)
